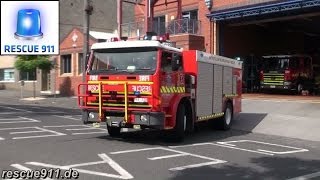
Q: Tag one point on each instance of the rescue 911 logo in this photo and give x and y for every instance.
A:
(29, 27)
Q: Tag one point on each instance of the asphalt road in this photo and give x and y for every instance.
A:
(35, 137)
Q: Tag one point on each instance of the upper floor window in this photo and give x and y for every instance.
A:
(190, 14)
(159, 25)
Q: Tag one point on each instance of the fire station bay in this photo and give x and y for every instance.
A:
(269, 36)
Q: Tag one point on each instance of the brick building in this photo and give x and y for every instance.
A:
(235, 28)
(242, 29)
(68, 65)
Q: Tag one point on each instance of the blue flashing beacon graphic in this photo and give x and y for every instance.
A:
(28, 25)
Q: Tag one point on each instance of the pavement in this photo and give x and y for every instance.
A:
(34, 137)
(48, 133)
(283, 115)
(288, 116)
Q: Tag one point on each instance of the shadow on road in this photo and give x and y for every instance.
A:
(248, 121)
(274, 168)
(205, 133)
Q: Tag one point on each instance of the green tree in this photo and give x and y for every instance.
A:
(31, 62)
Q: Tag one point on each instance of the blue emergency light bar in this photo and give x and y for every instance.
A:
(28, 25)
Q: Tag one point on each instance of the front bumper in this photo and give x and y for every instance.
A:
(154, 120)
(285, 86)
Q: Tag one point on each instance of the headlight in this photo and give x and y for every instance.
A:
(287, 83)
(143, 118)
(91, 115)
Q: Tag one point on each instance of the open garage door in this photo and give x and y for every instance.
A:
(278, 29)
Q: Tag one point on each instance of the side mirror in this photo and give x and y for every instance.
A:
(175, 63)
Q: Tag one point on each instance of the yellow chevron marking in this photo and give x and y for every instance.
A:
(172, 89)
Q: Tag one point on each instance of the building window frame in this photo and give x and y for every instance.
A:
(79, 63)
(66, 68)
(7, 75)
(190, 14)
(28, 76)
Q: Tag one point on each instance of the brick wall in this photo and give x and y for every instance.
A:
(208, 31)
(189, 42)
(67, 83)
(170, 13)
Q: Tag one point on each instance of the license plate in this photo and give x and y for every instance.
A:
(136, 126)
(96, 125)
(272, 86)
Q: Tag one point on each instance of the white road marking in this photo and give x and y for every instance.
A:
(11, 108)
(23, 168)
(193, 166)
(135, 150)
(81, 129)
(248, 150)
(123, 174)
(270, 144)
(25, 132)
(190, 145)
(68, 117)
(86, 127)
(308, 176)
(90, 133)
(9, 119)
(53, 133)
(222, 145)
(1, 138)
(17, 120)
(179, 153)
(73, 125)
(168, 156)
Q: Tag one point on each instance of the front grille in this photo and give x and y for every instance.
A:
(110, 100)
(273, 79)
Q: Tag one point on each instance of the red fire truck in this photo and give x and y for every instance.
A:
(150, 84)
(287, 72)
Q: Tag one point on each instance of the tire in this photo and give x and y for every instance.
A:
(299, 88)
(113, 131)
(225, 122)
(85, 117)
(178, 133)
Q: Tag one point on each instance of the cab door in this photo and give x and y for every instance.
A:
(171, 77)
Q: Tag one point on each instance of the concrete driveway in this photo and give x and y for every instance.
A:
(289, 116)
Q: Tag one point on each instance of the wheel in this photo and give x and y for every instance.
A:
(225, 122)
(178, 133)
(299, 88)
(85, 117)
(113, 131)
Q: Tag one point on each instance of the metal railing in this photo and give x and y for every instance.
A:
(174, 27)
(101, 94)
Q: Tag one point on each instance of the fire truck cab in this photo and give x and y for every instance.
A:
(150, 84)
(287, 72)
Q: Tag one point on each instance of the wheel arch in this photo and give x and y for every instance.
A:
(174, 108)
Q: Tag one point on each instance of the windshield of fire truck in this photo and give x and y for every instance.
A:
(124, 60)
(279, 63)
